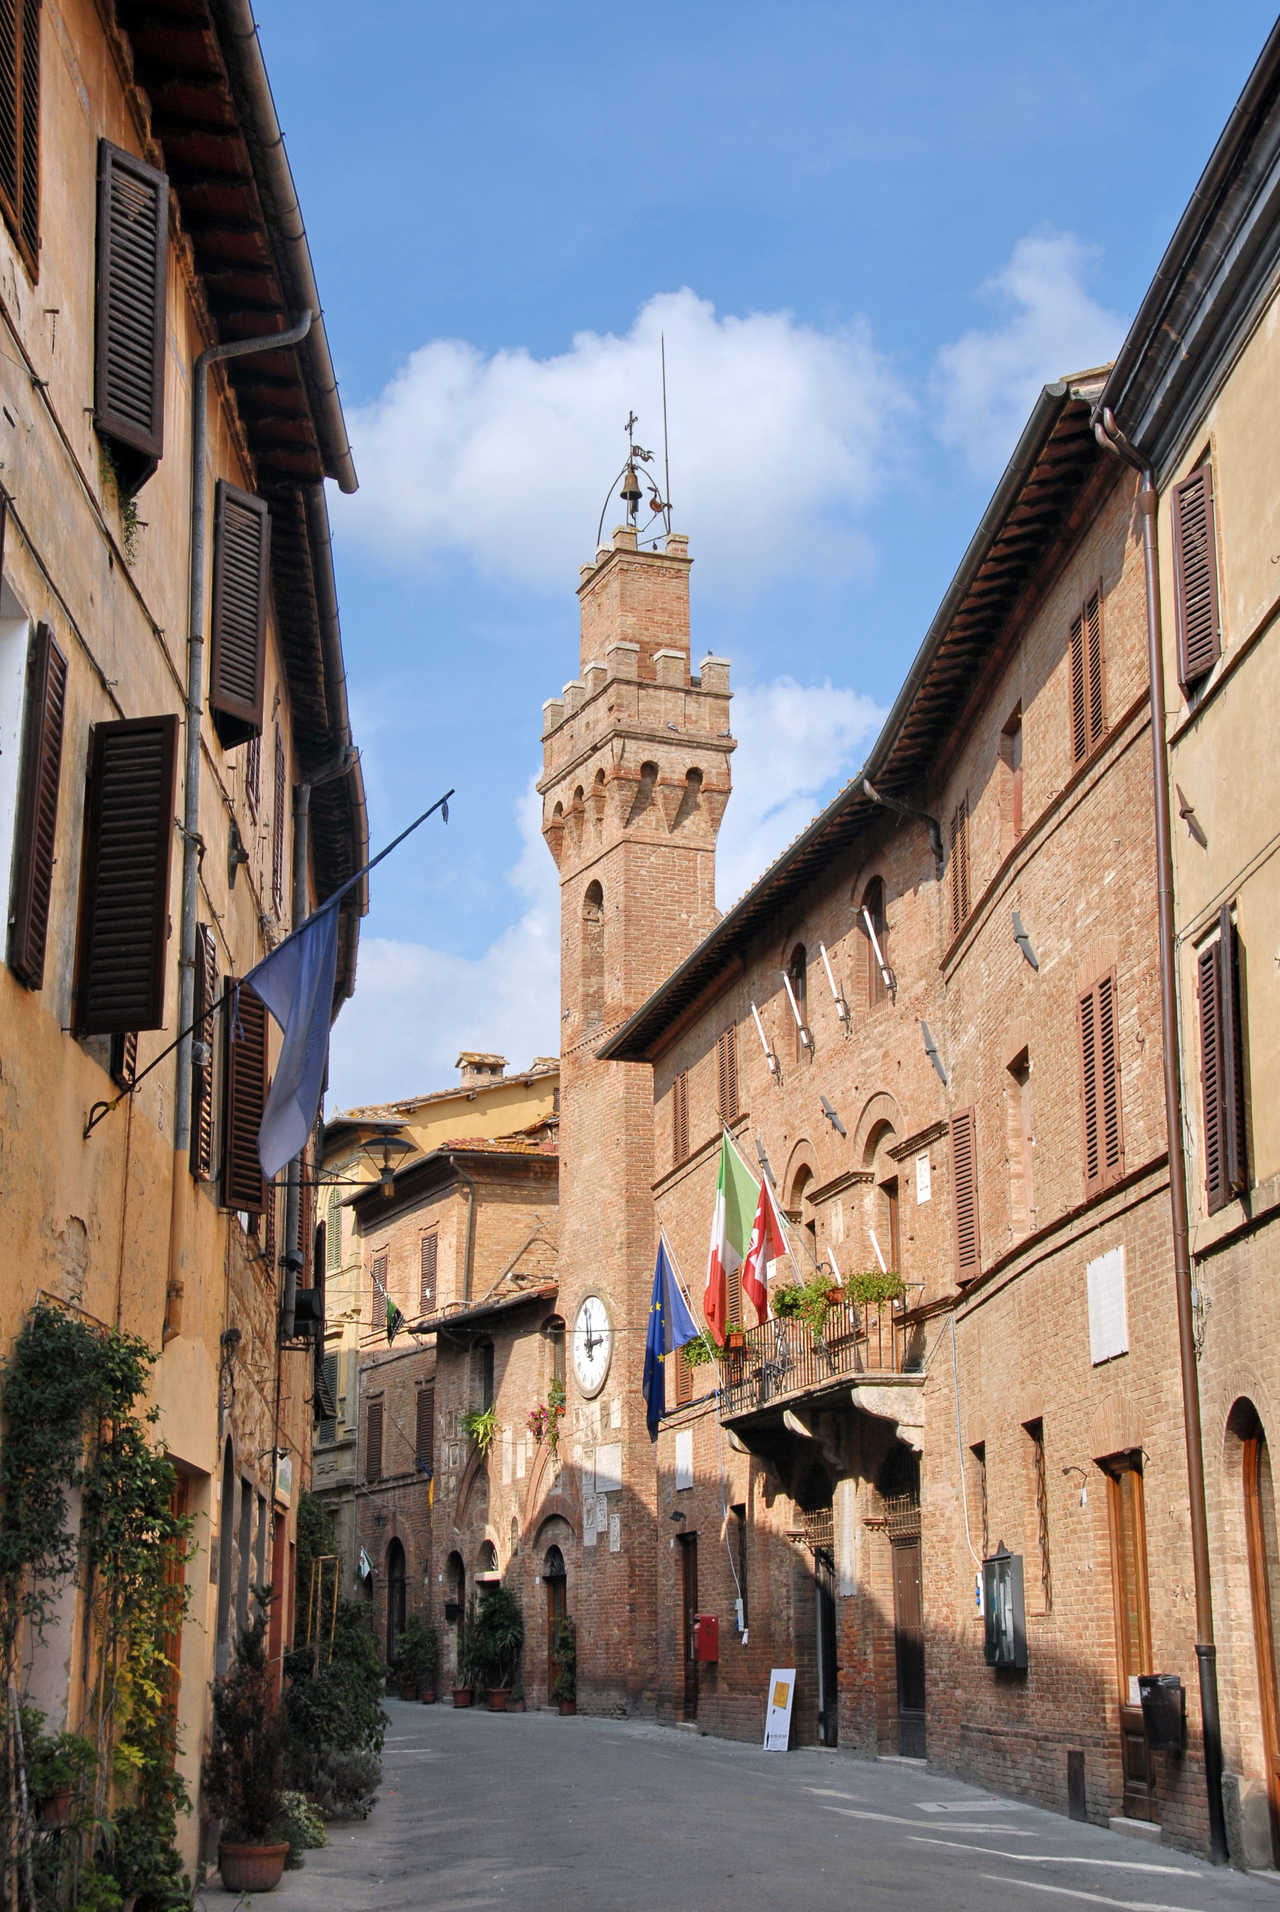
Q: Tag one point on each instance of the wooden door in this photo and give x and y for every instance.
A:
(1133, 1629)
(557, 1607)
(908, 1643)
(1260, 1524)
(688, 1608)
(824, 1579)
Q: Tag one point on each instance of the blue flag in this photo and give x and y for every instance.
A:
(670, 1326)
(296, 983)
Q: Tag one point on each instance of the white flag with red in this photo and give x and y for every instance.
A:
(768, 1243)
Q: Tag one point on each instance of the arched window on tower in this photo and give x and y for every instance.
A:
(592, 990)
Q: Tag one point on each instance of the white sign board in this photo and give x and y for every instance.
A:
(924, 1179)
(609, 1467)
(284, 1478)
(1108, 1316)
(777, 1719)
(615, 1533)
(684, 1458)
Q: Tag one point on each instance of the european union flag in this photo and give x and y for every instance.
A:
(670, 1326)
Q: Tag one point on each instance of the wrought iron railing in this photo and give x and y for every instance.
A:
(785, 1357)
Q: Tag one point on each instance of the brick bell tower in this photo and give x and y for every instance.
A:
(634, 783)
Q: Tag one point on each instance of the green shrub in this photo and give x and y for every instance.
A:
(333, 1707)
(302, 1825)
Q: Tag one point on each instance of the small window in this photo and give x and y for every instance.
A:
(244, 1098)
(373, 1443)
(1085, 654)
(959, 866)
(485, 1358)
(979, 1453)
(1222, 1084)
(798, 976)
(727, 1073)
(238, 618)
(1011, 759)
(425, 1445)
(1195, 577)
(964, 1195)
(874, 925)
(378, 1290)
(20, 126)
(680, 1118)
(133, 265)
(428, 1254)
(1100, 1085)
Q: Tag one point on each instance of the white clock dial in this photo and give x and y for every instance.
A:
(592, 1344)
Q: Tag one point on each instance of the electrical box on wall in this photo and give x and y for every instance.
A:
(1004, 1610)
(706, 1636)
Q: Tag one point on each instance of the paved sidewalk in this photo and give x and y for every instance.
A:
(530, 1810)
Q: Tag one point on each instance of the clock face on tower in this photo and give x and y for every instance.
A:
(592, 1344)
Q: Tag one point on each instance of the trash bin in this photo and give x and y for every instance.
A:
(1164, 1711)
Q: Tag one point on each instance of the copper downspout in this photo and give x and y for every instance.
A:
(1110, 437)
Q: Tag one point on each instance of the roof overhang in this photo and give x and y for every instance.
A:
(479, 1314)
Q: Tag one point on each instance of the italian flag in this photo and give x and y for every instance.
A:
(737, 1191)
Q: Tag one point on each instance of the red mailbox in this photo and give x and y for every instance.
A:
(706, 1636)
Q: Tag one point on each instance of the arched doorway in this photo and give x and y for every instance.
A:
(556, 1582)
(1264, 1591)
(899, 1486)
(395, 1596)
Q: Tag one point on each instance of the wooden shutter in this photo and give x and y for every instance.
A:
(307, 1218)
(1085, 649)
(270, 1244)
(1195, 577)
(683, 1377)
(238, 626)
(378, 1294)
(1100, 1086)
(427, 1290)
(1221, 1067)
(727, 1073)
(373, 1443)
(124, 911)
(20, 124)
(680, 1117)
(325, 1396)
(426, 1442)
(206, 995)
(244, 1097)
(277, 831)
(959, 866)
(133, 263)
(964, 1194)
(44, 718)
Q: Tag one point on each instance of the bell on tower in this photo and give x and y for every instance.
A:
(629, 485)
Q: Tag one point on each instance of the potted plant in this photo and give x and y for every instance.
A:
(876, 1285)
(564, 1658)
(807, 1301)
(499, 1629)
(244, 1773)
(417, 1661)
(481, 1426)
(57, 1771)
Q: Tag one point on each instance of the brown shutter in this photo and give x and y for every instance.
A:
(1100, 1086)
(44, 718)
(373, 1443)
(1093, 659)
(206, 995)
(277, 831)
(124, 912)
(133, 261)
(1211, 1078)
(324, 1378)
(727, 1073)
(1195, 577)
(1232, 1054)
(244, 1097)
(964, 1194)
(20, 124)
(959, 866)
(426, 1442)
(680, 1117)
(427, 1289)
(270, 1245)
(378, 1293)
(1088, 716)
(238, 626)
(683, 1377)
(1079, 707)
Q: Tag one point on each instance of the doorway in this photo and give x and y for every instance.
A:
(899, 1486)
(1264, 1562)
(688, 1609)
(824, 1581)
(1128, 1528)
(395, 1597)
(557, 1585)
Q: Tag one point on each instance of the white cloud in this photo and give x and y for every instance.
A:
(415, 1006)
(780, 434)
(794, 741)
(985, 382)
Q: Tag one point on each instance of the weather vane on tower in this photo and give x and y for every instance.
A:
(630, 481)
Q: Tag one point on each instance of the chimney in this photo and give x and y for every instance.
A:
(477, 1068)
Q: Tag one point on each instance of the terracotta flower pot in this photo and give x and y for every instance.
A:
(497, 1698)
(59, 1808)
(251, 1868)
(428, 1696)
(462, 1696)
(567, 1708)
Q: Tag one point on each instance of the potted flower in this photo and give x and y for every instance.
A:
(735, 1337)
(807, 1301)
(499, 1628)
(555, 1413)
(564, 1658)
(876, 1285)
(244, 1773)
(481, 1426)
(417, 1661)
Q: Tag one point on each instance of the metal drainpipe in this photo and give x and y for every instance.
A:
(1111, 438)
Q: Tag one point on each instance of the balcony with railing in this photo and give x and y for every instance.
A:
(783, 1361)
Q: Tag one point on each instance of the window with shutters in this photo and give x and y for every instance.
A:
(798, 977)
(202, 1052)
(1195, 577)
(327, 1403)
(20, 126)
(373, 1442)
(333, 1233)
(378, 1290)
(680, 1117)
(727, 1073)
(683, 1377)
(959, 866)
(1100, 1085)
(1084, 651)
(1222, 1085)
(238, 618)
(875, 929)
(426, 1429)
(124, 907)
(129, 334)
(428, 1256)
(964, 1194)
(35, 832)
(277, 831)
(244, 1098)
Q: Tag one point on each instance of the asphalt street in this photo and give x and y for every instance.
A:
(538, 1812)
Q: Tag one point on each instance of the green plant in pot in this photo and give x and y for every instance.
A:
(244, 1772)
(876, 1285)
(564, 1660)
(59, 1771)
(417, 1661)
(499, 1628)
(808, 1301)
(481, 1426)
(471, 1657)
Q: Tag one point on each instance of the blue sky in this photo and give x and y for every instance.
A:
(869, 235)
